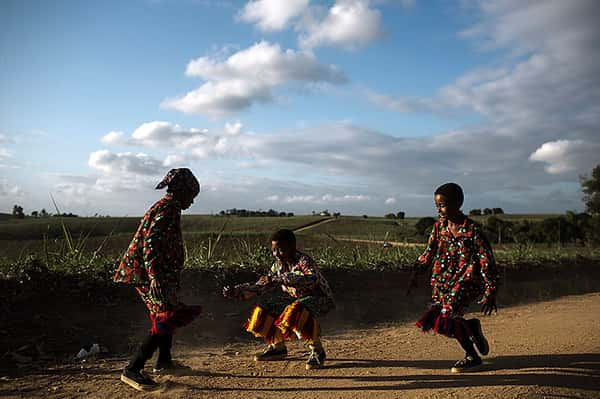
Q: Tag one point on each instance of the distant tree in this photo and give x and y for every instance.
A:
(487, 211)
(475, 212)
(336, 214)
(43, 213)
(400, 215)
(34, 214)
(290, 214)
(364, 216)
(591, 190)
(497, 211)
(390, 216)
(18, 212)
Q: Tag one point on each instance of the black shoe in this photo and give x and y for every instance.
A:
(478, 338)
(270, 354)
(467, 364)
(170, 367)
(316, 360)
(137, 380)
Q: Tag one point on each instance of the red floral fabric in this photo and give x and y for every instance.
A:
(463, 266)
(156, 250)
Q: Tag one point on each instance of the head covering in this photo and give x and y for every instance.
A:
(452, 192)
(181, 179)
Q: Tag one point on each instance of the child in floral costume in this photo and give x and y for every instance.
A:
(463, 270)
(152, 264)
(297, 294)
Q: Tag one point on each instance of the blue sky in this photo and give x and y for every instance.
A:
(351, 105)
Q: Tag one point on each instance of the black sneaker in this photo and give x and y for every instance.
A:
(479, 339)
(137, 380)
(270, 354)
(316, 360)
(467, 364)
(170, 367)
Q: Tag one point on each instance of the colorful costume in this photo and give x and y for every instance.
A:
(292, 313)
(463, 269)
(156, 252)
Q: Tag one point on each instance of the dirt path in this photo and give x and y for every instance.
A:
(314, 224)
(382, 242)
(543, 350)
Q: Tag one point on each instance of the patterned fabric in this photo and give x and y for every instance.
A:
(441, 321)
(280, 317)
(166, 316)
(302, 279)
(156, 250)
(181, 179)
(463, 267)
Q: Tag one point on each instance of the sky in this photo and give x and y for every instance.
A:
(355, 106)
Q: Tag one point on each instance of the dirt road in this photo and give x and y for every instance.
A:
(542, 350)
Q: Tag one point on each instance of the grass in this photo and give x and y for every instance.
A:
(79, 245)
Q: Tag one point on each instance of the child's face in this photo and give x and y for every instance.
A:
(282, 251)
(446, 208)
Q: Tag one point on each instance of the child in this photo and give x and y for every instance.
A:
(152, 264)
(463, 269)
(291, 312)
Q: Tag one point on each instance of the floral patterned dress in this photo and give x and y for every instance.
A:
(157, 252)
(462, 270)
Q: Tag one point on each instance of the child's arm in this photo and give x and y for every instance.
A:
(156, 242)
(424, 260)
(307, 279)
(489, 273)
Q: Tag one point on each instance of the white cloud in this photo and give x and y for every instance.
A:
(345, 198)
(5, 154)
(174, 160)
(272, 15)
(233, 128)
(349, 24)
(9, 190)
(566, 155)
(273, 198)
(124, 163)
(158, 134)
(290, 199)
(249, 76)
(391, 201)
(112, 137)
(5, 139)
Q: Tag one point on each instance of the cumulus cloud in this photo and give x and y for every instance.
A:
(390, 201)
(249, 76)
(111, 137)
(124, 163)
(348, 24)
(272, 15)
(545, 87)
(567, 155)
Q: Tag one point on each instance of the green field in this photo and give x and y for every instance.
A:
(243, 241)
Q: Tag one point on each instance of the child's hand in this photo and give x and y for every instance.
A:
(263, 280)
(488, 304)
(156, 290)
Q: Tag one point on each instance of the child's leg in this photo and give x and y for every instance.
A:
(164, 348)
(145, 352)
(477, 336)
(468, 347)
